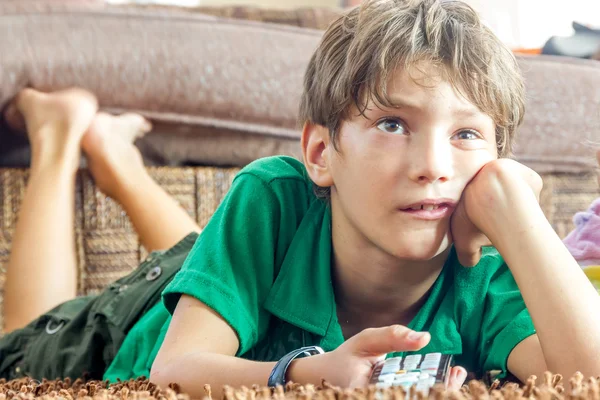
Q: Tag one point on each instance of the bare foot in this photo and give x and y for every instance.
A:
(113, 160)
(56, 119)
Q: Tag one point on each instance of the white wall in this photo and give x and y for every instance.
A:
(529, 23)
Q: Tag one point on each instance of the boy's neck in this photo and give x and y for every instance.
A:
(374, 293)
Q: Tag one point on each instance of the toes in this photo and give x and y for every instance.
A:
(14, 118)
(82, 95)
(101, 122)
(138, 125)
(14, 113)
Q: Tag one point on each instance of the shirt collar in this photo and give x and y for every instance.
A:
(302, 293)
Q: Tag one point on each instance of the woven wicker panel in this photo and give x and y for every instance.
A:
(108, 247)
(564, 195)
(106, 244)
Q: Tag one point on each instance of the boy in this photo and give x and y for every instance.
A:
(407, 107)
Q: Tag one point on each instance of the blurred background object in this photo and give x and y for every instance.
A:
(261, 3)
(527, 26)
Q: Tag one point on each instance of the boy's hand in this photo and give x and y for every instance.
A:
(351, 364)
(503, 191)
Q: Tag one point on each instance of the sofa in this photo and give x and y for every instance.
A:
(221, 86)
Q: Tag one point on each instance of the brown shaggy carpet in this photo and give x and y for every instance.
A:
(550, 387)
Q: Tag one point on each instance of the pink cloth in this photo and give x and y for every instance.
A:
(584, 241)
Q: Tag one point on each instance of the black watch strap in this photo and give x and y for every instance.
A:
(277, 376)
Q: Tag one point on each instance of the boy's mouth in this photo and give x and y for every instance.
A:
(430, 209)
(427, 207)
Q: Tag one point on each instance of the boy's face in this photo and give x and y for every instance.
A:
(400, 172)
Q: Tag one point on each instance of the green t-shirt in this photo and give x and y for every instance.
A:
(263, 263)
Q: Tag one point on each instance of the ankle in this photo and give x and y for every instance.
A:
(63, 158)
(122, 187)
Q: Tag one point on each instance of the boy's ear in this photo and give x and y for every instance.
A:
(316, 152)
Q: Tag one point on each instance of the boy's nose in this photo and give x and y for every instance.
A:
(432, 163)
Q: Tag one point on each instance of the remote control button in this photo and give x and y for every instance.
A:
(429, 364)
(413, 359)
(430, 371)
(387, 373)
(393, 360)
(410, 375)
(433, 356)
(414, 370)
(405, 378)
(412, 379)
(400, 372)
(386, 378)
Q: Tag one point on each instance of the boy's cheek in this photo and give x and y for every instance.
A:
(470, 167)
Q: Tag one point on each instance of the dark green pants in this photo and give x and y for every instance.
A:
(82, 336)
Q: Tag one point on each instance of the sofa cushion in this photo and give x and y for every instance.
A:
(195, 75)
(561, 128)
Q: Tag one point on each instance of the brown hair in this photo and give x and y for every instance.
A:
(362, 48)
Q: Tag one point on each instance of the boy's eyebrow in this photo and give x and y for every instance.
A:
(401, 103)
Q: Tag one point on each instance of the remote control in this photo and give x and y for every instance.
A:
(424, 371)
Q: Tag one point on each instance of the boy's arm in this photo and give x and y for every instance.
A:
(563, 304)
(200, 347)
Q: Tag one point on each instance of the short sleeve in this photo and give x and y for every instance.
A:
(231, 266)
(506, 322)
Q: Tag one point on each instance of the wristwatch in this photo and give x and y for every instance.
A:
(277, 376)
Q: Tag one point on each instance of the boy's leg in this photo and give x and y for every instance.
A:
(118, 170)
(41, 271)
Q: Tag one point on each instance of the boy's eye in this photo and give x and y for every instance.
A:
(392, 126)
(467, 135)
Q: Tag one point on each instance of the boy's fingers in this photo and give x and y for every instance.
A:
(468, 258)
(468, 249)
(457, 378)
(389, 339)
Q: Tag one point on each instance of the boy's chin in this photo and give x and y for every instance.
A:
(424, 251)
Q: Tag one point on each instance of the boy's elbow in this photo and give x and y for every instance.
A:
(161, 374)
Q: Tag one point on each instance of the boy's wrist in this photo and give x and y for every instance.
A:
(506, 222)
(519, 230)
(305, 370)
